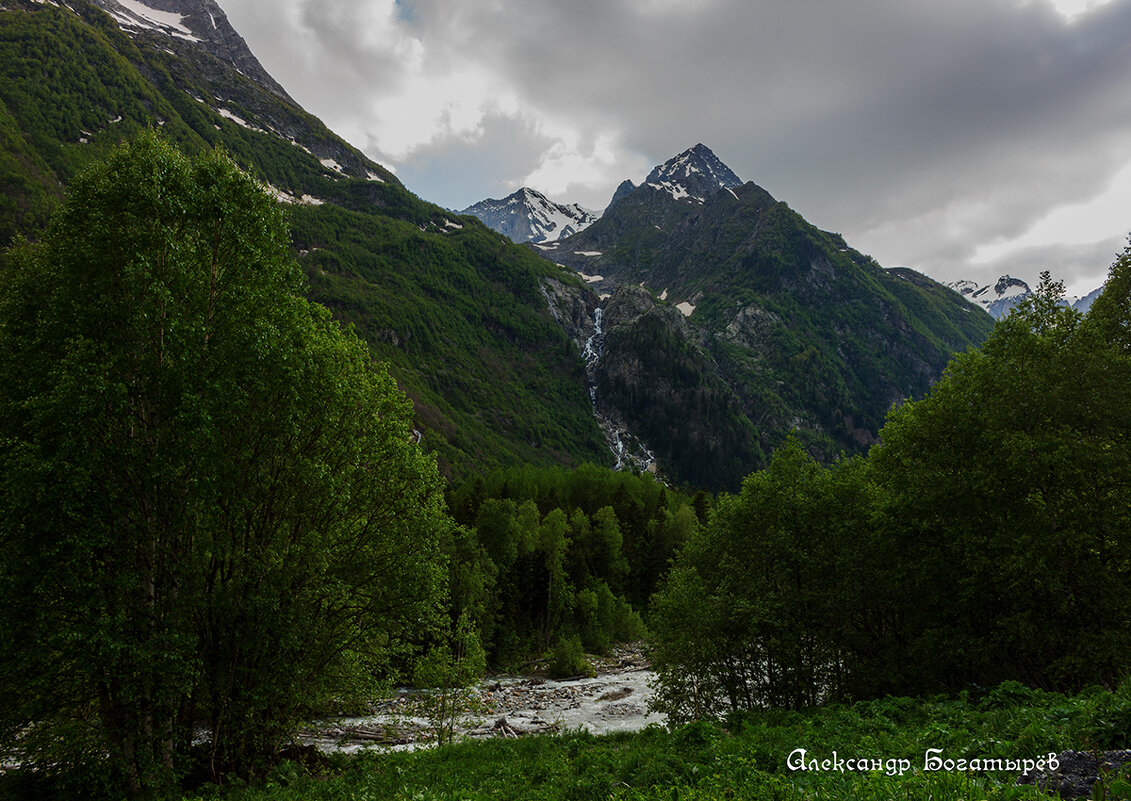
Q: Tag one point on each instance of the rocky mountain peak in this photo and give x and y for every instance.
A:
(198, 22)
(625, 189)
(997, 299)
(527, 215)
(693, 175)
(1008, 285)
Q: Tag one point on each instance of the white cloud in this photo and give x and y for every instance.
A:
(1098, 219)
(583, 174)
(926, 133)
(1071, 9)
(428, 107)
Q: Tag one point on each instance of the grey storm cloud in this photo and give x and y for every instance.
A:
(918, 129)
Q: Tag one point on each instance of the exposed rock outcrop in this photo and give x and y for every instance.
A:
(1078, 772)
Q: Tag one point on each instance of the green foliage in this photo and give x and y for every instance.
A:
(753, 614)
(445, 673)
(563, 554)
(212, 511)
(568, 659)
(675, 401)
(1008, 493)
(748, 760)
(68, 83)
(461, 319)
(28, 192)
(983, 541)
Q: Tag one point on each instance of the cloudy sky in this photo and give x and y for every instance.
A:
(964, 138)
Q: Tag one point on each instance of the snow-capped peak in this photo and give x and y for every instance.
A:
(1000, 298)
(693, 175)
(529, 216)
(997, 299)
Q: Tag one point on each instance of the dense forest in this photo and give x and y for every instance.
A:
(216, 519)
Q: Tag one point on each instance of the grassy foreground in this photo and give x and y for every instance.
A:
(748, 759)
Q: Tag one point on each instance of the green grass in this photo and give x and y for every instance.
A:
(748, 759)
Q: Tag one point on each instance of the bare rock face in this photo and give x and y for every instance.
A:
(573, 308)
(751, 327)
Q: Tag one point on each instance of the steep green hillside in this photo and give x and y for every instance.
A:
(453, 307)
(783, 327)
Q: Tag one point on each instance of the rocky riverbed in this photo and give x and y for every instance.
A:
(616, 699)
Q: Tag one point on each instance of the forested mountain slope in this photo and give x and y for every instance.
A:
(456, 309)
(751, 322)
(730, 320)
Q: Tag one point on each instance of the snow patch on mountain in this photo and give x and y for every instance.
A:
(223, 112)
(139, 15)
(693, 175)
(286, 197)
(529, 216)
(1001, 298)
(677, 191)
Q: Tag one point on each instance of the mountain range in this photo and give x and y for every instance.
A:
(729, 321)
(999, 299)
(695, 175)
(689, 329)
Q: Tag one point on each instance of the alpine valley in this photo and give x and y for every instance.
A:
(688, 329)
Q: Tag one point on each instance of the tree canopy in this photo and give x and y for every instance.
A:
(213, 512)
(984, 540)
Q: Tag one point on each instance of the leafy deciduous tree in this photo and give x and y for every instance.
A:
(1009, 492)
(211, 508)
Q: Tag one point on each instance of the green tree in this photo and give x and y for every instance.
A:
(1008, 493)
(445, 676)
(754, 612)
(211, 507)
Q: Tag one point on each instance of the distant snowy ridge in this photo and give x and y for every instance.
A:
(529, 216)
(1083, 304)
(999, 299)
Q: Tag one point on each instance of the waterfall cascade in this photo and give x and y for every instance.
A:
(630, 452)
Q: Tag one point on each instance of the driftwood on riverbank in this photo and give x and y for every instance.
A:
(370, 734)
(503, 728)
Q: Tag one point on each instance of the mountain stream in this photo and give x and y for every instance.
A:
(507, 706)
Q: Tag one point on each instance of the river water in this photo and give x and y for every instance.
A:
(508, 706)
